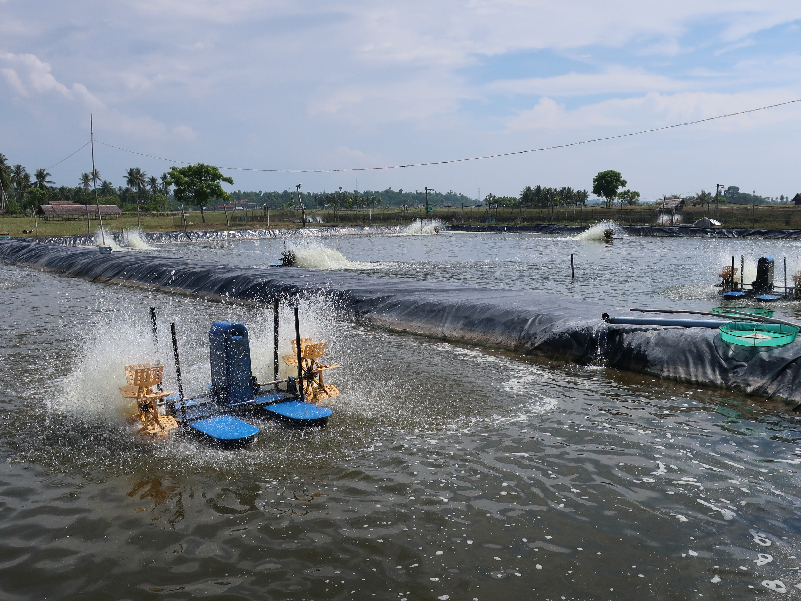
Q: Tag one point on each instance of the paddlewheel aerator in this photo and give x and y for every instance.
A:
(314, 389)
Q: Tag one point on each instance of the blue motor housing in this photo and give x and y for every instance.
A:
(232, 379)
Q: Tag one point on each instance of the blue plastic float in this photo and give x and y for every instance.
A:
(235, 389)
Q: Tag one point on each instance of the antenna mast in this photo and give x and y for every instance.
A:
(94, 177)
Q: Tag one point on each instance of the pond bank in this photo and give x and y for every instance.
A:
(525, 322)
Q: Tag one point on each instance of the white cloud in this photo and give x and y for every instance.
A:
(613, 80)
(658, 110)
(29, 76)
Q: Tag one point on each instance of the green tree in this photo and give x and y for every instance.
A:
(34, 198)
(527, 196)
(630, 197)
(21, 180)
(106, 189)
(136, 179)
(606, 184)
(165, 184)
(41, 175)
(703, 197)
(5, 180)
(153, 185)
(200, 183)
(86, 182)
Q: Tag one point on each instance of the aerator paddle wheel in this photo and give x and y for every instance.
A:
(314, 388)
(728, 277)
(143, 381)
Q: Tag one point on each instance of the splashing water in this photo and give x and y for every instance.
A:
(133, 238)
(92, 388)
(429, 227)
(596, 232)
(316, 256)
(104, 237)
(665, 219)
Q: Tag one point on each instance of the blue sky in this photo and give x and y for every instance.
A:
(344, 84)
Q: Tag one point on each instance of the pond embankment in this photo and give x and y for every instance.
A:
(525, 322)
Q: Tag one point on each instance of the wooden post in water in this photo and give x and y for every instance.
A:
(785, 276)
(178, 370)
(153, 326)
(572, 268)
(732, 274)
(742, 271)
(300, 355)
(275, 340)
(155, 338)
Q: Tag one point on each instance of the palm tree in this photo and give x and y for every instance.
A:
(21, 180)
(166, 184)
(41, 175)
(86, 182)
(106, 188)
(135, 178)
(153, 184)
(5, 180)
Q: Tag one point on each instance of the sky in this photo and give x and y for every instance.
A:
(347, 84)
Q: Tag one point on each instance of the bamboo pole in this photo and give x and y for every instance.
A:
(178, 371)
(275, 339)
(300, 355)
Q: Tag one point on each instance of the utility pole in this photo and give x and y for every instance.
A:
(718, 188)
(302, 208)
(94, 178)
(427, 191)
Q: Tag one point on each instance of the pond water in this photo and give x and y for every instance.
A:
(446, 471)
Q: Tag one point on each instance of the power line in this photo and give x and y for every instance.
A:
(64, 159)
(478, 158)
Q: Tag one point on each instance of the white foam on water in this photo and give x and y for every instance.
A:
(92, 388)
(133, 238)
(316, 318)
(596, 232)
(103, 237)
(317, 256)
(429, 227)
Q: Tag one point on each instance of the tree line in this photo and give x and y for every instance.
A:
(21, 193)
(351, 199)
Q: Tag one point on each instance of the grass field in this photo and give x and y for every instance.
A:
(759, 216)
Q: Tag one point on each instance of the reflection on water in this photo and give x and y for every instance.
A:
(447, 472)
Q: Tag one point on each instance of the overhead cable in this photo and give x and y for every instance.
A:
(65, 158)
(478, 158)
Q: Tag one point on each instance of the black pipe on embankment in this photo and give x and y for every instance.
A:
(522, 321)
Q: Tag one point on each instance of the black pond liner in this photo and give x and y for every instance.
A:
(521, 321)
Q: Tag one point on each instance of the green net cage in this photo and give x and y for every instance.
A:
(745, 333)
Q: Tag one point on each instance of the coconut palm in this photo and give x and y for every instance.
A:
(5, 180)
(166, 184)
(21, 180)
(86, 182)
(153, 184)
(41, 175)
(135, 178)
(106, 188)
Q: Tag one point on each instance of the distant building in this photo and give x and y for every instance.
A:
(73, 210)
(670, 206)
(797, 199)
